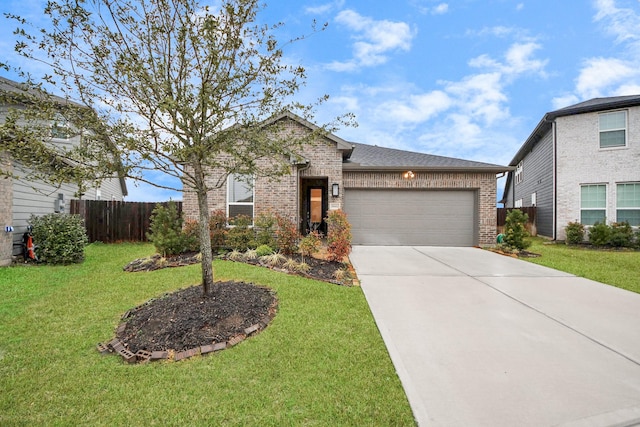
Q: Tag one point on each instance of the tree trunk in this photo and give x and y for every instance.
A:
(205, 238)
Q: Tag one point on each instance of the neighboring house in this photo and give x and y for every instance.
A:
(20, 199)
(391, 197)
(581, 163)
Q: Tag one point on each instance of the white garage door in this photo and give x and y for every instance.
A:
(412, 217)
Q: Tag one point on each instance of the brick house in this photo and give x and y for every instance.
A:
(580, 163)
(391, 197)
(19, 199)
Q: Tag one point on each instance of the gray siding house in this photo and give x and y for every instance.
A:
(581, 163)
(19, 199)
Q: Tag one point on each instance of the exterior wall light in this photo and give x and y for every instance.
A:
(408, 175)
(335, 190)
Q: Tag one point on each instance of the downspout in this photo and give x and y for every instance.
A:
(555, 181)
(299, 169)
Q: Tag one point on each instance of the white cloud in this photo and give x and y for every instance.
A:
(324, 8)
(564, 101)
(600, 75)
(519, 6)
(440, 9)
(623, 23)
(517, 60)
(416, 109)
(374, 40)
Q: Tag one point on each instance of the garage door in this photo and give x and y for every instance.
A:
(412, 217)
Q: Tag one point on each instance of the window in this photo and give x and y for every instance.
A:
(518, 203)
(593, 203)
(519, 173)
(60, 128)
(534, 199)
(613, 129)
(239, 195)
(628, 203)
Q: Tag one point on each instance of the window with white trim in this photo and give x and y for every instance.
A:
(593, 203)
(240, 195)
(534, 199)
(628, 203)
(613, 129)
(518, 203)
(519, 175)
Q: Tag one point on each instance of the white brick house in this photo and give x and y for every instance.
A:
(581, 163)
(391, 197)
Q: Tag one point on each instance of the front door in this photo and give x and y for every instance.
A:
(315, 206)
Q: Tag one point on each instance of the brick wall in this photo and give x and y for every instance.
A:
(483, 183)
(580, 160)
(278, 194)
(6, 212)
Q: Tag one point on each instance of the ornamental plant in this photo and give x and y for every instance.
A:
(515, 231)
(165, 231)
(575, 233)
(240, 236)
(59, 238)
(287, 235)
(265, 225)
(339, 236)
(310, 244)
(621, 235)
(599, 234)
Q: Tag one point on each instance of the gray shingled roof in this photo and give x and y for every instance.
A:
(371, 157)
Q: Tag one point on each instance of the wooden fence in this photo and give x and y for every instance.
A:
(111, 221)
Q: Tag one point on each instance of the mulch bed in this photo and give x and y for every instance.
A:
(184, 323)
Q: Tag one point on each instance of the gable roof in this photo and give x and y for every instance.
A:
(372, 158)
(590, 106)
(23, 91)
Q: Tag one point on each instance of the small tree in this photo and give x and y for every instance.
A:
(515, 230)
(165, 231)
(178, 86)
(287, 235)
(338, 236)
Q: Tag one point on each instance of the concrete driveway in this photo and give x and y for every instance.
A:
(480, 339)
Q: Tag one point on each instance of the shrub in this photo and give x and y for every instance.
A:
(621, 235)
(264, 250)
(575, 233)
(515, 231)
(599, 234)
(218, 229)
(287, 235)
(339, 236)
(310, 244)
(265, 229)
(240, 237)
(166, 231)
(637, 239)
(59, 238)
(191, 230)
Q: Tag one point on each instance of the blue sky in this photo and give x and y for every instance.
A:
(465, 78)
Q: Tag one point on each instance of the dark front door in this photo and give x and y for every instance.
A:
(314, 206)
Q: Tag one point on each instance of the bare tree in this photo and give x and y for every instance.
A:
(178, 87)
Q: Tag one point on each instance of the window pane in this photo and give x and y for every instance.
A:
(240, 188)
(628, 195)
(632, 216)
(591, 217)
(235, 210)
(617, 120)
(612, 139)
(593, 196)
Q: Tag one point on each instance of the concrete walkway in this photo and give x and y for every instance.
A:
(480, 339)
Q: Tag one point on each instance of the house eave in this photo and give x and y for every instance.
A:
(346, 167)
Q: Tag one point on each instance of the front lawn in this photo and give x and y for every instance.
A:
(321, 361)
(613, 267)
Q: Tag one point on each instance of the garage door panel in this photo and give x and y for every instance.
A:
(416, 217)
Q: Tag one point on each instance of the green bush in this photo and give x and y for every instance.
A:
(621, 235)
(515, 232)
(165, 231)
(59, 238)
(265, 229)
(264, 250)
(575, 233)
(240, 237)
(310, 244)
(218, 229)
(599, 234)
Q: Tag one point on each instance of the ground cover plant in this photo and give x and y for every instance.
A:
(620, 268)
(320, 362)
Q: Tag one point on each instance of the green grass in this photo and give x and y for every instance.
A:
(613, 267)
(321, 361)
